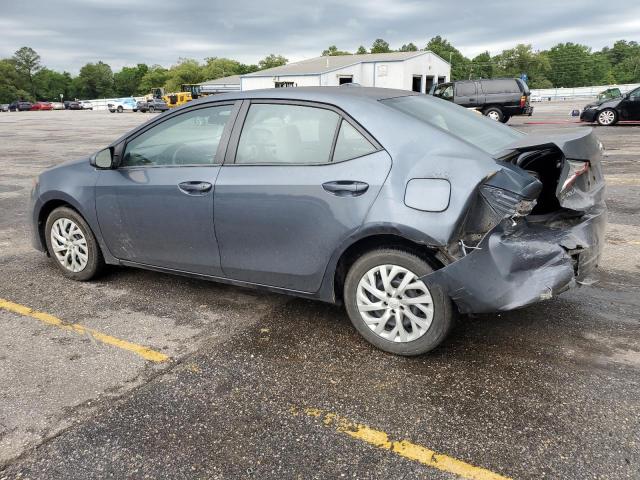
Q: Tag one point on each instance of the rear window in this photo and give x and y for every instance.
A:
(500, 86)
(485, 134)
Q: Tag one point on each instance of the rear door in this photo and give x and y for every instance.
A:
(156, 209)
(466, 94)
(298, 179)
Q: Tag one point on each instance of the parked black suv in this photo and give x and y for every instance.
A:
(154, 105)
(607, 111)
(20, 106)
(497, 98)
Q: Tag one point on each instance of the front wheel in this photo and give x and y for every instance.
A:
(392, 308)
(72, 245)
(607, 117)
(494, 114)
(151, 109)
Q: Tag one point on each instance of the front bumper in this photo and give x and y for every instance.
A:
(589, 115)
(519, 265)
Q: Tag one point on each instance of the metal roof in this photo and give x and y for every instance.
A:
(318, 65)
(230, 80)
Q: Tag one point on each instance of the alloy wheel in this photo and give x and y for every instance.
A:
(607, 117)
(69, 245)
(493, 115)
(394, 303)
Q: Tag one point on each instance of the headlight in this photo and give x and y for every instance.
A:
(591, 107)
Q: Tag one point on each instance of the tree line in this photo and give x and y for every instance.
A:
(24, 77)
(564, 65)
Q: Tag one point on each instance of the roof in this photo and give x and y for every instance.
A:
(230, 80)
(318, 65)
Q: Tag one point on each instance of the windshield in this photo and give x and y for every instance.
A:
(471, 126)
(610, 93)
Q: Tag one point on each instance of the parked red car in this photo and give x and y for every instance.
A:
(42, 106)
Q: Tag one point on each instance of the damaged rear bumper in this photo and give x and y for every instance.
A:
(517, 265)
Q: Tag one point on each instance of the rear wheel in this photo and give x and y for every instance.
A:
(391, 307)
(152, 109)
(505, 118)
(607, 117)
(494, 113)
(120, 109)
(72, 245)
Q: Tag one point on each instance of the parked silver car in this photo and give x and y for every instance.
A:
(404, 207)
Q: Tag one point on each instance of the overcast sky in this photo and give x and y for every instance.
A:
(69, 33)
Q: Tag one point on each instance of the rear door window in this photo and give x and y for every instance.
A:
(500, 86)
(351, 144)
(465, 89)
(287, 134)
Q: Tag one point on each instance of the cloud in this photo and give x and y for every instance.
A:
(69, 33)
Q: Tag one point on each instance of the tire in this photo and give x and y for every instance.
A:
(607, 117)
(416, 341)
(505, 119)
(152, 109)
(494, 113)
(120, 109)
(78, 271)
(112, 111)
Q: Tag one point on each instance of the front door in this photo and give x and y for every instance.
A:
(630, 106)
(157, 207)
(291, 197)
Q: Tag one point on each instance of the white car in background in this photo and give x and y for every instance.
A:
(84, 105)
(57, 105)
(121, 104)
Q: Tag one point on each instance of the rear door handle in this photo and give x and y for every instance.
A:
(345, 188)
(195, 187)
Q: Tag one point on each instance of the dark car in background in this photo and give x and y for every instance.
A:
(154, 105)
(20, 106)
(609, 111)
(401, 206)
(497, 98)
(73, 105)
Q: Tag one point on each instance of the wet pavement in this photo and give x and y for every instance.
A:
(549, 391)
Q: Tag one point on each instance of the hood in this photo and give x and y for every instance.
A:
(607, 102)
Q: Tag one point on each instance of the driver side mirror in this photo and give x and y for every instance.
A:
(103, 159)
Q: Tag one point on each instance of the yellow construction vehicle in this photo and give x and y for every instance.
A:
(171, 99)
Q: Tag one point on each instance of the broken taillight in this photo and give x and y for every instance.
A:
(523, 101)
(576, 168)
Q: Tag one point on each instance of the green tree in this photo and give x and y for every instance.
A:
(187, 70)
(271, 61)
(126, 82)
(522, 59)
(155, 77)
(482, 66)
(216, 67)
(624, 57)
(333, 51)
(570, 65)
(9, 83)
(409, 47)
(361, 50)
(459, 63)
(50, 84)
(380, 46)
(95, 80)
(27, 64)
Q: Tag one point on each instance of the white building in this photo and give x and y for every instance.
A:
(221, 85)
(416, 71)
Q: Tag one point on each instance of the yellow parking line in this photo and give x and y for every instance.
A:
(144, 352)
(404, 448)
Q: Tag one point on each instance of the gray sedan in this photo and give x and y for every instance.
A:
(405, 208)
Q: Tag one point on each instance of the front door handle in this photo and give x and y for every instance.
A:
(195, 188)
(345, 188)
